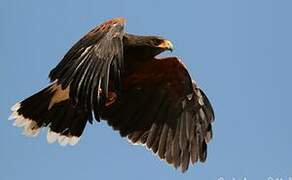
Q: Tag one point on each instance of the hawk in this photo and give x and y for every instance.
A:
(116, 76)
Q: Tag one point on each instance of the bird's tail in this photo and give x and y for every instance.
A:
(51, 108)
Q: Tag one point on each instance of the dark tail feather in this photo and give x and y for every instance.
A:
(50, 108)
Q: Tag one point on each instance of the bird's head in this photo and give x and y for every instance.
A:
(147, 45)
(159, 43)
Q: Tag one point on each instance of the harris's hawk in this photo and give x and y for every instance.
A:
(115, 76)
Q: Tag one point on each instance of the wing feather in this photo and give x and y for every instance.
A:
(162, 141)
(87, 65)
(164, 109)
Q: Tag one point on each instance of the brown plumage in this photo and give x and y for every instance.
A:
(117, 76)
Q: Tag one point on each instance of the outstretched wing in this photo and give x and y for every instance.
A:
(164, 109)
(87, 65)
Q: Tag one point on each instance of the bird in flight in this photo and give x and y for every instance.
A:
(116, 76)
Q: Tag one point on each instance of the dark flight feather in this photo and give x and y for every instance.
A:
(86, 66)
(176, 122)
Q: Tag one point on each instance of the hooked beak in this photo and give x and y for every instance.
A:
(167, 45)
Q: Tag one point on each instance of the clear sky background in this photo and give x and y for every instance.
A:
(240, 52)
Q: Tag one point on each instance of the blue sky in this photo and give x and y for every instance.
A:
(238, 51)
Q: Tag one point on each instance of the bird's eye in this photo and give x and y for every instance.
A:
(156, 42)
